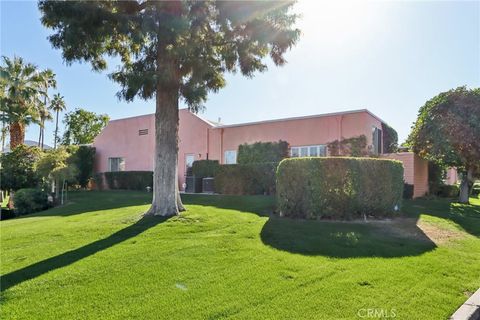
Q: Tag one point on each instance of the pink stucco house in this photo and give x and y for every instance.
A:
(128, 144)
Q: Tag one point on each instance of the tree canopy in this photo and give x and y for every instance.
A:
(447, 131)
(82, 126)
(171, 50)
(19, 168)
(203, 39)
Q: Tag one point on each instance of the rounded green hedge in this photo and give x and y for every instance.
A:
(29, 200)
(245, 179)
(339, 187)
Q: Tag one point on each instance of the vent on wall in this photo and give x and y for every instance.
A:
(142, 132)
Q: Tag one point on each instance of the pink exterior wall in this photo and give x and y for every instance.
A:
(201, 139)
(120, 138)
(415, 171)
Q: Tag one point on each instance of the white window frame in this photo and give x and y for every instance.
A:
(121, 164)
(296, 151)
(230, 157)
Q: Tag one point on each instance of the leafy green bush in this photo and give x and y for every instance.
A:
(340, 188)
(18, 168)
(390, 139)
(408, 191)
(262, 152)
(29, 201)
(7, 214)
(435, 177)
(353, 147)
(205, 168)
(448, 191)
(243, 179)
(83, 158)
(129, 180)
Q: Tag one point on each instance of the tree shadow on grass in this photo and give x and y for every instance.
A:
(257, 204)
(62, 260)
(88, 201)
(466, 216)
(346, 239)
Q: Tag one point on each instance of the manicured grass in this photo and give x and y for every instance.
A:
(95, 258)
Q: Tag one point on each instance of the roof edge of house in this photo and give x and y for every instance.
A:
(330, 114)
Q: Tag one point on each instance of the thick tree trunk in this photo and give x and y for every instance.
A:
(466, 186)
(166, 198)
(17, 134)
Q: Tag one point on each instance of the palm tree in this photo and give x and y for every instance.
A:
(47, 79)
(21, 89)
(44, 114)
(57, 105)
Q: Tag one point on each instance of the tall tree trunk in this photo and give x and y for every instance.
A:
(43, 134)
(17, 134)
(56, 133)
(40, 136)
(466, 186)
(57, 190)
(166, 197)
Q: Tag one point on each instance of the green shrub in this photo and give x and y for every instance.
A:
(340, 188)
(30, 200)
(84, 158)
(408, 191)
(205, 168)
(262, 152)
(448, 191)
(98, 179)
(243, 179)
(18, 168)
(7, 214)
(353, 147)
(435, 177)
(129, 180)
(390, 139)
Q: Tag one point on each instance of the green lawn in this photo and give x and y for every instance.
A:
(95, 258)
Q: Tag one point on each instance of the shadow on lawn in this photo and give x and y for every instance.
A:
(399, 238)
(466, 216)
(37, 269)
(344, 239)
(87, 201)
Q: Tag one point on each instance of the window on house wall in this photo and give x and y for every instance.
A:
(142, 132)
(230, 157)
(309, 151)
(116, 164)
(189, 159)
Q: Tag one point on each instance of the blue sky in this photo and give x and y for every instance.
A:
(388, 57)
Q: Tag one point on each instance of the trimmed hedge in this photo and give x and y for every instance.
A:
(448, 191)
(29, 201)
(205, 168)
(126, 180)
(339, 187)
(244, 179)
(262, 152)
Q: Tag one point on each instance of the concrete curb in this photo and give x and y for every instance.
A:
(470, 310)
